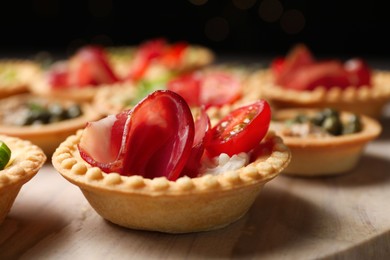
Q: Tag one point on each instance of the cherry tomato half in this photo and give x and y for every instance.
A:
(211, 88)
(241, 130)
(358, 71)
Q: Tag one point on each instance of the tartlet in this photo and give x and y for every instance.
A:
(25, 162)
(92, 68)
(363, 100)
(15, 76)
(324, 155)
(46, 136)
(185, 205)
(194, 57)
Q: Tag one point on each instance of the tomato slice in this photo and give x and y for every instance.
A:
(187, 86)
(90, 66)
(359, 73)
(153, 139)
(219, 88)
(241, 130)
(58, 75)
(327, 74)
(173, 55)
(157, 50)
(277, 66)
(211, 88)
(299, 57)
(144, 56)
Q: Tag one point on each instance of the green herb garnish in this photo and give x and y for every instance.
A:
(5, 155)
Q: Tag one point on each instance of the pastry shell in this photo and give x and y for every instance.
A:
(112, 100)
(320, 156)
(181, 206)
(48, 136)
(15, 76)
(26, 160)
(363, 100)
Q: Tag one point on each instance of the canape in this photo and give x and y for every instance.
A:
(323, 142)
(78, 77)
(16, 76)
(157, 58)
(156, 169)
(94, 67)
(23, 161)
(45, 122)
(300, 80)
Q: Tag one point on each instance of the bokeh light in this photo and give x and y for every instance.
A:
(244, 4)
(217, 29)
(292, 21)
(270, 10)
(100, 8)
(198, 2)
(46, 7)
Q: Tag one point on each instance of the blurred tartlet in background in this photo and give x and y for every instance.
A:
(323, 141)
(46, 122)
(94, 67)
(300, 80)
(16, 76)
(157, 58)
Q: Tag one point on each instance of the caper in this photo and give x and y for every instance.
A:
(39, 116)
(318, 118)
(300, 119)
(333, 125)
(73, 111)
(330, 112)
(43, 116)
(353, 125)
(56, 110)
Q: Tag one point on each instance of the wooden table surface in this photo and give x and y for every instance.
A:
(344, 217)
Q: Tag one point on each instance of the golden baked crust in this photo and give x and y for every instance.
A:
(26, 160)
(114, 99)
(15, 76)
(49, 136)
(185, 205)
(317, 156)
(367, 101)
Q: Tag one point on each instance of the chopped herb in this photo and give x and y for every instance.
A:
(5, 155)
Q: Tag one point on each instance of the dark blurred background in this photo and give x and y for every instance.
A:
(251, 28)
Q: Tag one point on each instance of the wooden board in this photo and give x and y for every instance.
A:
(345, 217)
